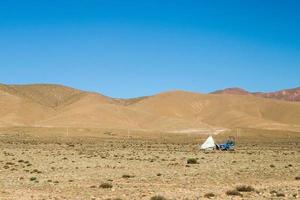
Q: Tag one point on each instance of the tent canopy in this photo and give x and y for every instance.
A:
(209, 143)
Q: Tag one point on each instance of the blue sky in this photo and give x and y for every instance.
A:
(135, 48)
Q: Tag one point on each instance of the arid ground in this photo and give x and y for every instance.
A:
(55, 164)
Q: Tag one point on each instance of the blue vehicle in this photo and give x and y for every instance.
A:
(228, 145)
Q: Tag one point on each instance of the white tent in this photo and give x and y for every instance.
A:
(209, 144)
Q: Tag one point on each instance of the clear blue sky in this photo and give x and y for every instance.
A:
(133, 48)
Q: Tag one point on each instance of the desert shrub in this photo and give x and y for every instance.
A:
(36, 171)
(233, 193)
(32, 178)
(106, 185)
(158, 174)
(273, 192)
(158, 197)
(209, 195)
(297, 178)
(280, 194)
(272, 166)
(192, 161)
(127, 176)
(71, 145)
(244, 188)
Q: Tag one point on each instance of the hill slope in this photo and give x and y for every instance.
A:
(16, 110)
(287, 95)
(177, 111)
(224, 110)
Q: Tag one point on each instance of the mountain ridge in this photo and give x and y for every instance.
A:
(292, 94)
(47, 105)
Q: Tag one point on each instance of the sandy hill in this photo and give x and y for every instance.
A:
(224, 110)
(44, 94)
(287, 95)
(176, 111)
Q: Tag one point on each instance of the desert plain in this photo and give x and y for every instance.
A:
(117, 165)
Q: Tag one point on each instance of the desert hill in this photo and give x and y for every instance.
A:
(224, 110)
(287, 95)
(176, 111)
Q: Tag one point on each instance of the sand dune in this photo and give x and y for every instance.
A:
(176, 111)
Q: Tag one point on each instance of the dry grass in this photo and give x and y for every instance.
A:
(158, 197)
(192, 161)
(106, 185)
(209, 195)
(244, 188)
(233, 193)
(127, 176)
(140, 168)
(280, 194)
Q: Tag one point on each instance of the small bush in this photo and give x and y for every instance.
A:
(233, 193)
(297, 178)
(158, 197)
(192, 161)
(33, 178)
(106, 185)
(273, 192)
(272, 166)
(112, 199)
(36, 171)
(244, 188)
(127, 176)
(280, 195)
(209, 195)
